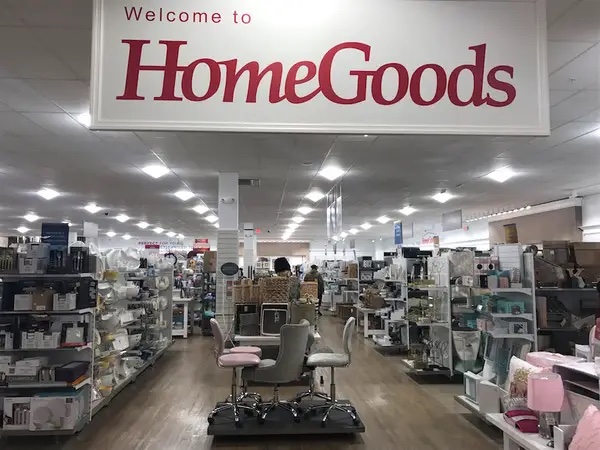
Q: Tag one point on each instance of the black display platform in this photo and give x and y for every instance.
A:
(280, 422)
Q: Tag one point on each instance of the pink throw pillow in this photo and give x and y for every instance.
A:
(587, 435)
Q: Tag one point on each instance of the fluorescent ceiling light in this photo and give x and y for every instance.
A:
(285, 237)
(126, 237)
(92, 208)
(354, 231)
(184, 194)
(212, 218)
(67, 222)
(298, 219)
(335, 238)
(343, 234)
(442, 197)
(305, 210)
(158, 230)
(501, 175)
(200, 209)
(383, 219)
(122, 218)
(366, 226)
(84, 119)
(331, 173)
(31, 217)
(293, 226)
(22, 230)
(180, 236)
(171, 234)
(47, 193)
(143, 225)
(155, 170)
(111, 234)
(216, 225)
(315, 196)
(407, 210)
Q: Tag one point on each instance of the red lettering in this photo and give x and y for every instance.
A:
(184, 16)
(133, 12)
(415, 85)
(325, 74)
(187, 81)
(216, 18)
(292, 80)
(254, 78)
(503, 86)
(150, 15)
(477, 70)
(377, 85)
(170, 16)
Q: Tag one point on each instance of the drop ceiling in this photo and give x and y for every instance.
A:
(44, 83)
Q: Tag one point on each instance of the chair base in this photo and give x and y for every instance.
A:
(236, 408)
(311, 395)
(329, 407)
(266, 408)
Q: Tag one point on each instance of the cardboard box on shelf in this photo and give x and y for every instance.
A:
(23, 302)
(37, 250)
(210, 262)
(16, 413)
(42, 300)
(64, 302)
(345, 310)
(32, 266)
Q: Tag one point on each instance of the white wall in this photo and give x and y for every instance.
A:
(590, 218)
(364, 247)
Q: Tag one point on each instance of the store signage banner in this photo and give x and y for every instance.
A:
(398, 238)
(335, 66)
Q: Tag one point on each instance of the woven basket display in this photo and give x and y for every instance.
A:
(352, 270)
(309, 289)
(255, 297)
(276, 290)
(237, 294)
(247, 293)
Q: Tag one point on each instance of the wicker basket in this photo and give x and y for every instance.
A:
(246, 293)
(237, 294)
(352, 270)
(309, 289)
(276, 290)
(255, 297)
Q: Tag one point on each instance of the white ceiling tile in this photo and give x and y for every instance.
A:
(556, 8)
(578, 23)
(7, 17)
(61, 124)
(70, 95)
(591, 117)
(22, 98)
(575, 107)
(562, 52)
(71, 45)
(52, 13)
(559, 95)
(582, 72)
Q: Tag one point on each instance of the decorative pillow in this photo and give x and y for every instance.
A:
(521, 368)
(587, 435)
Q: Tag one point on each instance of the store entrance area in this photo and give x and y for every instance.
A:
(166, 407)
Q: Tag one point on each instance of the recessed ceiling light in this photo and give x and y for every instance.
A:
(442, 197)
(305, 210)
(331, 172)
(47, 193)
(126, 237)
(383, 219)
(184, 194)
(285, 237)
(343, 234)
(31, 217)
(67, 222)
(211, 218)
(366, 226)
(528, 207)
(501, 175)
(335, 238)
(111, 234)
(365, 135)
(171, 234)
(92, 208)
(407, 210)
(84, 119)
(158, 230)
(315, 195)
(298, 219)
(22, 230)
(381, 239)
(122, 218)
(354, 231)
(180, 236)
(373, 240)
(293, 226)
(155, 170)
(216, 225)
(200, 209)
(143, 225)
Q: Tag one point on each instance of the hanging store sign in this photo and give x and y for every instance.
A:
(340, 66)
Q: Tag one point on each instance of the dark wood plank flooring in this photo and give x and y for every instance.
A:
(166, 408)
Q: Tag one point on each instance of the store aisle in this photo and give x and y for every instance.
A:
(166, 408)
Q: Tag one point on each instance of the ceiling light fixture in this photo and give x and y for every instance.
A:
(335, 238)
(305, 210)
(143, 225)
(155, 170)
(92, 208)
(211, 218)
(31, 217)
(343, 235)
(126, 237)
(331, 173)
(442, 196)
(47, 193)
(315, 195)
(180, 236)
(22, 230)
(407, 210)
(501, 175)
(366, 226)
(84, 119)
(184, 194)
(171, 234)
(216, 225)
(354, 231)
(122, 218)
(111, 234)
(383, 219)
(298, 219)
(293, 226)
(67, 222)
(200, 209)
(158, 230)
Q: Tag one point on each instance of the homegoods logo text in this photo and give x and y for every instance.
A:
(226, 82)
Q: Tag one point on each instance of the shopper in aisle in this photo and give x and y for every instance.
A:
(283, 269)
(315, 275)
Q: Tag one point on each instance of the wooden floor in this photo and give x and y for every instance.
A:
(166, 408)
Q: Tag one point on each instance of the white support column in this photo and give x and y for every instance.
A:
(227, 243)
(249, 247)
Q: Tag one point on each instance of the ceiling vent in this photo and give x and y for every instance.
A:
(249, 182)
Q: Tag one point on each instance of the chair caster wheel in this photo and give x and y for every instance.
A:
(239, 424)
(356, 422)
(211, 420)
(323, 424)
(297, 419)
(261, 420)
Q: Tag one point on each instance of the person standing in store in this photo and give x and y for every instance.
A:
(314, 275)
(283, 269)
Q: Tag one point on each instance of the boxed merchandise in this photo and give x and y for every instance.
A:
(55, 413)
(71, 371)
(42, 300)
(7, 359)
(36, 361)
(64, 302)
(37, 250)
(6, 340)
(16, 413)
(210, 262)
(56, 235)
(8, 261)
(352, 270)
(23, 302)
(32, 266)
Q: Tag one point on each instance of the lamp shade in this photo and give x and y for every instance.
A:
(545, 392)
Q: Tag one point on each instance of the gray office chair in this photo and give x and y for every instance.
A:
(333, 361)
(287, 368)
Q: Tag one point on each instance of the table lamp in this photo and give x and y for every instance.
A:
(545, 394)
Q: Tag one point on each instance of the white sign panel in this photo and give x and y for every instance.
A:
(335, 66)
